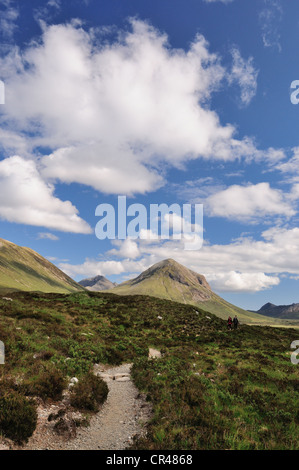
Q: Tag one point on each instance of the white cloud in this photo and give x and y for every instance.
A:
(46, 13)
(8, 15)
(290, 166)
(256, 263)
(245, 75)
(25, 198)
(103, 167)
(248, 203)
(47, 236)
(112, 113)
(127, 249)
(54, 3)
(91, 268)
(241, 282)
(270, 20)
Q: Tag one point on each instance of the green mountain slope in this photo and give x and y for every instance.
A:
(170, 280)
(24, 269)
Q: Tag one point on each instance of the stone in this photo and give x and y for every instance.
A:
(123, 379)
(154, 353)
(4, 447)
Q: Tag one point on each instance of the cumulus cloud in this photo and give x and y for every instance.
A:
(91, 268)
(99, 165)
(253, 265)
(248, 203)
(107, 108)
(127, 249)
(25, 198)
(290, 166)
(245, 75)
(241, 282)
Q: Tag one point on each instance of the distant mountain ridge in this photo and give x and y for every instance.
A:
(24, 269)
(97, 283)
(290, 312)
(170, 280)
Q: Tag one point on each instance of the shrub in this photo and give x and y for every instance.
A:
(50, 383)
(18, 417)
(89, 393)
(114, 356)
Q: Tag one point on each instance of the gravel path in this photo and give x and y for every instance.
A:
(123, 415)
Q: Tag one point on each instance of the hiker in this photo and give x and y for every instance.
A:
(236, 322)
(229, 323)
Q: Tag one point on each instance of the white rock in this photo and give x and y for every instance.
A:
(104, 376)
(154, 353)
(123, 379)
(3, 447)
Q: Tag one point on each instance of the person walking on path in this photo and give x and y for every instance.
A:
(229, 323)
(236, 322)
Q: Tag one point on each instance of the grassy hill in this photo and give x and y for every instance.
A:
(24, 269)
(170, 280)
(212, 388)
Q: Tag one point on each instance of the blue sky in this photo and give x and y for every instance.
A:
(167, 101)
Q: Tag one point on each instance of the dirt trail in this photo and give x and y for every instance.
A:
(123, 415)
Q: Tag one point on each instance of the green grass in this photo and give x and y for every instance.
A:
(24, 269)
(212, 389)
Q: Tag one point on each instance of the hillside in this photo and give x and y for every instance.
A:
(97, 283)
(211, 388)
(289, 312)
(173, 281)
(24, 269)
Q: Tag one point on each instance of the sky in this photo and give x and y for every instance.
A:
(161, 101)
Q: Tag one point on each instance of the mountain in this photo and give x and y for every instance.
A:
(173, 281)
(290, 312)
(24, 269)
(97, 283)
